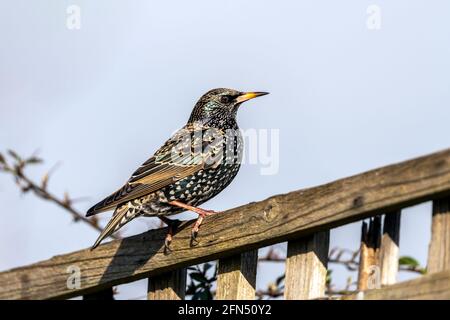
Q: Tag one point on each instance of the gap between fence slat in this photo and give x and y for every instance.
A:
(168, 286)
(389, 251)
(306, 267)
(439, 249)
(236, 277)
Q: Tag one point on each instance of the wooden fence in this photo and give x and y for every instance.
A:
(303, 218)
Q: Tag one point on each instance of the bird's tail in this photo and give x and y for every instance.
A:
(121, 216)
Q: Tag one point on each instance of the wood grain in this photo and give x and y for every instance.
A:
(369, 270)
(168, 286)
(279, 218)
(306, 267)
(236, 276)
(434, 286)
(390, 246)
(439, 249)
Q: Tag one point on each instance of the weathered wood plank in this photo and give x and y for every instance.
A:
(168, 286)
(439, 249)
(434, 286)
(306, 267)
(279, 218)
(369, 271)
(389, 251)
(236, 276)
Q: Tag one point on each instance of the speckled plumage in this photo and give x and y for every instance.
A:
(194, 165)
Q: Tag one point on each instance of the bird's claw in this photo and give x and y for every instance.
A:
(173, 225)
(167, 243)
(194, 240)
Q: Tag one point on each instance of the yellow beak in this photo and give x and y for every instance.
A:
(250, 95)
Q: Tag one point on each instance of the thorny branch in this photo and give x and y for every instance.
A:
(347, 258)
(25, 184)
(335, 256)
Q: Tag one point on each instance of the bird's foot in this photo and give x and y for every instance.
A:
(167, 243)
(172, 227)
(202, 213)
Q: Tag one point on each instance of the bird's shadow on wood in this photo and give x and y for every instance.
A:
(134, 252)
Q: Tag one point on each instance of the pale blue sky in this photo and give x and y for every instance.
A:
(102, 99)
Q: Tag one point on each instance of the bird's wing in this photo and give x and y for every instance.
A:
(182, 155)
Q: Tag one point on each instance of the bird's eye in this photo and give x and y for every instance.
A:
(225, 99)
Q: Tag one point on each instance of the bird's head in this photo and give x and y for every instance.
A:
(218, 107)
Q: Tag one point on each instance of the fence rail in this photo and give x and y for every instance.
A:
(300, 217)
(435, 286)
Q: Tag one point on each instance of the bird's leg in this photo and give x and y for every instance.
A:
(199, 211)
(202, 213)
(172, 225)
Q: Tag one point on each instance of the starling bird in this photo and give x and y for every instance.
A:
(194, 165)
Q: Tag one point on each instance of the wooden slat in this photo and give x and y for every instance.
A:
(434, 286)
(369, 272)
(236, 277)
(389, 251)
(279, 218)
(306, 267)
(439, 250)
(168, 286)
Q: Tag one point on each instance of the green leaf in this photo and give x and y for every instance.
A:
(191, 289)
(2, 159)
(328, 278)
(14, 155)
(204, 295)
(33, 160)
(408, 261)
(198, 277)
(206, 267)
(209, 295)
(279, 280)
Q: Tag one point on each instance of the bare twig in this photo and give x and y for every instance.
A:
(345, 257)
(272, 256)
(201, 287)
(336, 255)
(17, 168)
(261, 294)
